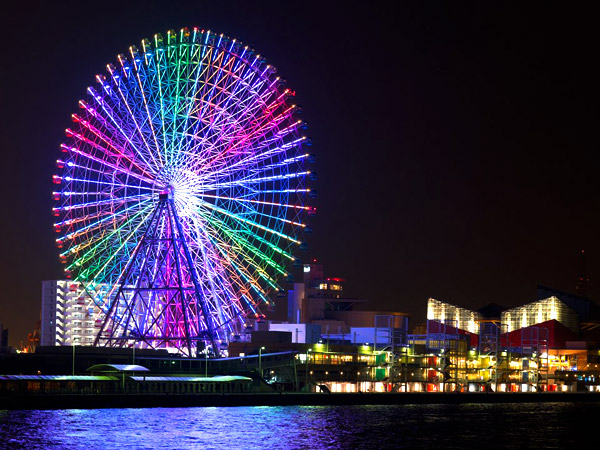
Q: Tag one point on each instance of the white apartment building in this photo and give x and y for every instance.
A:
(69, 316)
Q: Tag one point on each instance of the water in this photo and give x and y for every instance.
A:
(506, 426)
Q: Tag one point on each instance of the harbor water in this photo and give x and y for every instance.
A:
(504, 425)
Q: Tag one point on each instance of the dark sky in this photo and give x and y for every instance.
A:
(456, 143)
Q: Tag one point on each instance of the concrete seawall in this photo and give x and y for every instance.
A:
(51, 401)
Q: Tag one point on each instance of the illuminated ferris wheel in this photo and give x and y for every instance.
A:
(182, 192)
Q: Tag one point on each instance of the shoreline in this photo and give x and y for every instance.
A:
(100, 401)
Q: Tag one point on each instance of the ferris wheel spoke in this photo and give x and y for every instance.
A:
(96, 203)
(198, 95)
(107, 242)
(250, 222)
(213, 76)
(154, 60)
(123, 101)
(142, 89)
(258, 120)
(249, 254)
(208, 291)
(269, 216)
(265, 122)
(256, 158)
(236, 85)
(260, 202)
(261, 127)
(99, 237)
(234, 105)
(246, 181)
(175, 78)
(123, 133)
(82, 194)
(259, 97)
(198, 69)
(100, 173)
(83, 219)
(282, 191)
(252, 256)
(138, 299)
(237, 280)
(230, 117)
(245, 250)
(281, 219)
(95, 274)
(238, 267)
(116, 217)
(115, 151)
(216, 241)
(104, 163)
(289, 162)
(286, 162)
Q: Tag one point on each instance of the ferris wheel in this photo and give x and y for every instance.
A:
(182, 192)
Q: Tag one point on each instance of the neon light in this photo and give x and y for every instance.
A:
(197, 118)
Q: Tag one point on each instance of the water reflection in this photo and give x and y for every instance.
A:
(506, 426)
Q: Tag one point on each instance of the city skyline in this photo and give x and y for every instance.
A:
(454, 144)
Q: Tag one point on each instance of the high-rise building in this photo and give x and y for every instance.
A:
(3, 339)
(69, 316)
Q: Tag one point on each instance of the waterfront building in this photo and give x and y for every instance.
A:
(69, 316)
(551, 344)
(452, 315)
(528, 348)
(541, 311)
(320, 301)
(457, 351)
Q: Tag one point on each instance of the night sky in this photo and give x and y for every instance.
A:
(456, 145)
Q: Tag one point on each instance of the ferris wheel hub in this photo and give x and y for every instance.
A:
(172, 180)
(165, 195)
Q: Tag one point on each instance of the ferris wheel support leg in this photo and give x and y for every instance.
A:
(184, 307)
(194, 276)
(124, 275)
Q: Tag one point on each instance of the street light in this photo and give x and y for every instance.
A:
(306, 371)
(260, 360)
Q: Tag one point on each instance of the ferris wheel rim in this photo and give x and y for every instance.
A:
(115, 170)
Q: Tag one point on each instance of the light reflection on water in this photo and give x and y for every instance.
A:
(508, 426)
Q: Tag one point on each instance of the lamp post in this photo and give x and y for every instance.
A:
(260, 360)
(306, 371)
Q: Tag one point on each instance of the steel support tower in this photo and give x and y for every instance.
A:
(158, 302)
